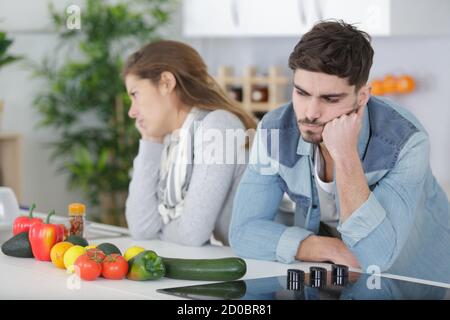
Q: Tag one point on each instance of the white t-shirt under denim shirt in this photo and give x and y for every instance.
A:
(327, 195)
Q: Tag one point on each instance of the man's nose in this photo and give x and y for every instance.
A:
(313, 111)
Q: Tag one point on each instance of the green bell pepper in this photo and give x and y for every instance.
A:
(147, 265)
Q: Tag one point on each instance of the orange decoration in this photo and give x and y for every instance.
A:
(405, 84)
(377, 88)
(389, 84)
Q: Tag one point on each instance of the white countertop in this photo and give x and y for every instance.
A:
(31, 279)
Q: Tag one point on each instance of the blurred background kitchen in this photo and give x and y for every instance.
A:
(64, 132)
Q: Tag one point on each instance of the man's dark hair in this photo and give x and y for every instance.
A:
(335, 48)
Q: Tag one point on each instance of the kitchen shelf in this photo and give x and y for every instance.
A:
(275, 83)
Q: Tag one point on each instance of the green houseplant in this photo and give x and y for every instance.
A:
(5, 43)
(85, 101)
(5, 59)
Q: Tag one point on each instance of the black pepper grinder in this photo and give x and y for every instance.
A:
(295, 279)
(339, 274)
(317, 277)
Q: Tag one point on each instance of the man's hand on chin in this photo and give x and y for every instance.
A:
(340, 136)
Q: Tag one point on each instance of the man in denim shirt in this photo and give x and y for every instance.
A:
(357, 168)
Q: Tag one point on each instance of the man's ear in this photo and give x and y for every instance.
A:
(167, 83)
(363, 95)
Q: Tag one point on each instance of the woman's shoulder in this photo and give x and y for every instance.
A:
(222, 119)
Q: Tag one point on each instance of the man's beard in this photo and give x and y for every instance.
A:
(316, 137)
(312, 137)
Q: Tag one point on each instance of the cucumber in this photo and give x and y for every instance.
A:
(222, 290)
(225, 269)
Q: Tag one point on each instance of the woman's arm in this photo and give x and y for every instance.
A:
(142, 213)
(209, 187)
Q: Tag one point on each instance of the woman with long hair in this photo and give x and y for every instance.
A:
(183, 181)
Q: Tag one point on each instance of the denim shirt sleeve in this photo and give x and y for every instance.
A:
(253, 231)
(378, 229)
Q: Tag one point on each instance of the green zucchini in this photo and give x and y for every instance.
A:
(222, 290)
(225, 269)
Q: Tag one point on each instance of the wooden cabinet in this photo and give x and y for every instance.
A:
(10, 162)
(246, 18)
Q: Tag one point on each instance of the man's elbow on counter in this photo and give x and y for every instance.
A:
(373, 263)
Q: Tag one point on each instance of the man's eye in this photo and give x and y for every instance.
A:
(300, 93)
(331, 100)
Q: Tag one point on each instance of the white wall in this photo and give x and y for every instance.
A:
(40, 183)
(426, 58)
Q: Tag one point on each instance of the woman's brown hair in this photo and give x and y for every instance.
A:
(195, 87)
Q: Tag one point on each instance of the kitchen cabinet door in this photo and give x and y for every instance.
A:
(211, 18)
(276, 18)
(372, 16)
(237, 18)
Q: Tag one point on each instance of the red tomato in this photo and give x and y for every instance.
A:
(114, 267)
(96, 254)
(87, 268)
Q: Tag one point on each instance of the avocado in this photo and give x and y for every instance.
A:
(108, 248)
(18, 246)
(76, 240)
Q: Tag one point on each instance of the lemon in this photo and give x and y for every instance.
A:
(71, 256)
(57, 253)
(132, 251)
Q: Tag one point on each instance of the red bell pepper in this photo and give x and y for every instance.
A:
(43, 236)
(23, 224)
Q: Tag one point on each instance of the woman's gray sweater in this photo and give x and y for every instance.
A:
(209, 199)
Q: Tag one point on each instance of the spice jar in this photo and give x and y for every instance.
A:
(77, 212)
(235, 93)
(260, 94)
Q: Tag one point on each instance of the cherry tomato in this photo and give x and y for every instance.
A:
(96, 254)
(114, 267)
(87, 268)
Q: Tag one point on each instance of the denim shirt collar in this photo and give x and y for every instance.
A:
(307, 149)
